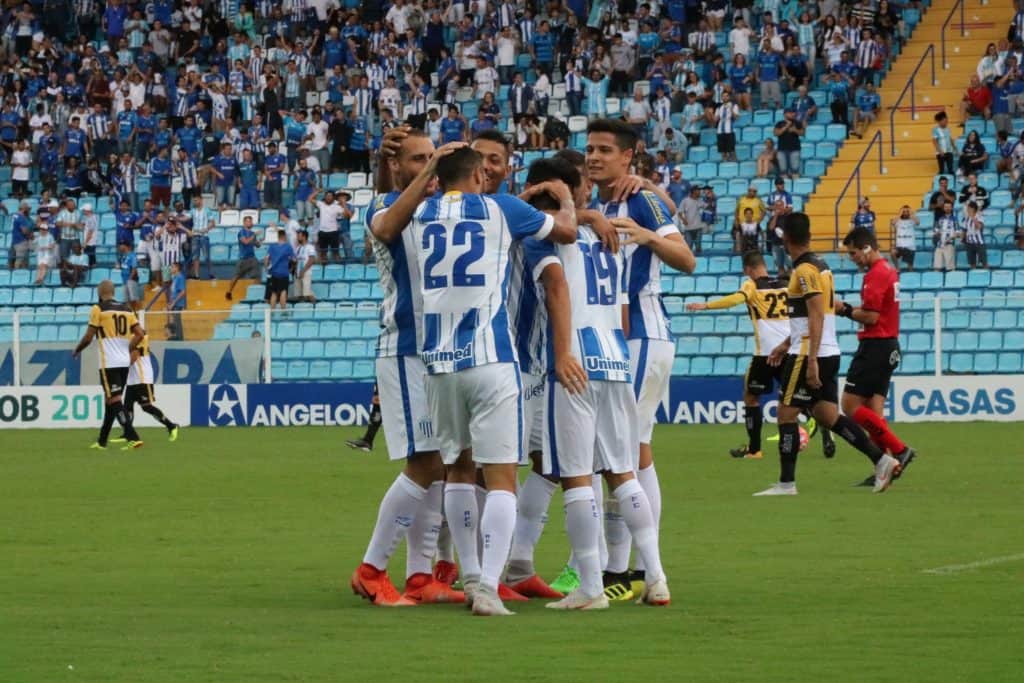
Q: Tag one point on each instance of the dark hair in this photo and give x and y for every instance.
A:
(458, 165)
(553, 168)
(493, 135)
(797, 227)
(625, 136)
(753, 259)
(577, 159)
(281, 233)
(860, 238)
(941, 116)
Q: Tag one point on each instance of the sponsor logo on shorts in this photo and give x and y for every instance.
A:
(599, 364)
(894, 358)
(431, 357)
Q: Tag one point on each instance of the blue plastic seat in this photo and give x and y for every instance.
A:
(308, 330)
(363, 369)
(320, 369)
(351, 329)
(298, 369)
(703, 324)
(291, 349)
(680, 367)
(1004, 319)
(224, 330)
(990, 340)
(1013, 340)
(965, 341)
(681, 325)
(985, 362)
(961, 362)
(835, 132)
(734, 345)
(724, 366)
(912, 364)
(711, 345)
(341, 369)
(286, 330)
(313, 349)
(725, 324)
(701, 366)
(920, 341)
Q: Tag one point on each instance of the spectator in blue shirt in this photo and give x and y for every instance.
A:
(224, 170)
(126, 124)
(128, 264)
(248, 182)
(838, 87)
(453, 127)
(769, 71)
(274, 167)
(22, 230)
(160, 171)
(278, 261)
(868, 104)
(542, 48)
(178, 302)
(864, 217)
(127, 222)
(305, 186)
(248, 266)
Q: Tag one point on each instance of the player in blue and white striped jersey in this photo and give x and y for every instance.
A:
(652, 239)
(412, 506)
(473, 386)
(591, 426)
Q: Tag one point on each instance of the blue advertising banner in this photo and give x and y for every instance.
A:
(281, 405)
(204, 362)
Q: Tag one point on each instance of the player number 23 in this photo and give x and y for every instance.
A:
(469, 234)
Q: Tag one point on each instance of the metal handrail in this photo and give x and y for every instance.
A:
(963, 29)
(855, 175)
(911, 86)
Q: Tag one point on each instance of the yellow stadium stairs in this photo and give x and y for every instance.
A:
(910, 173)
(206, 307)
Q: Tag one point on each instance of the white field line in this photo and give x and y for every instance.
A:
(956, 568)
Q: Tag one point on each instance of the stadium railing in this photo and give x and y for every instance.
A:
(876, 139)
(911, 86)
(960, 4)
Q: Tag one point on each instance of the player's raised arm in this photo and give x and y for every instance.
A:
(388, 225)
(734, 299)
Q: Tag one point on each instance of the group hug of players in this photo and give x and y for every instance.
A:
(529, 331)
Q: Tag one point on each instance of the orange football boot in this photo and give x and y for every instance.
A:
(446, 572)
(506, 594)
(374, 585)
(425, 589)
(536, 587)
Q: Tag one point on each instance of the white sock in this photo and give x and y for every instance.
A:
(534, 499)
(583, 526)
(481, 502)
(422, 537)
(496, 525)
(461, 510)
(617, 536)
(597, 485)
(648, 479)
(395, 515)
(636, 513)
(445, 548)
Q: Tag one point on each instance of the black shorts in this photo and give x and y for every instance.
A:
(113, 381)
(726, 143)
(139, 393)
(872, 367)
(328, 240)
(905, 255)
(761, 377)
(794, 390)
(278, 285)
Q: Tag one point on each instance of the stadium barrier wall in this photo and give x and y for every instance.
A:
(691, 401)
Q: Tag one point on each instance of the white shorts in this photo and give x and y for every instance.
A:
(407, 425)
(590, 432)
(650, 362)
(304, 284)
(533, 415)
(479, 408)
(141, 371)
(147, 249)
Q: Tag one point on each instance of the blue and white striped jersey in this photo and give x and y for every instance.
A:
(401, 310)
(642, 276)
(462, 247)
(526, 307)
(594, 276)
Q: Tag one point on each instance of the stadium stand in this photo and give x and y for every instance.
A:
(334, 339)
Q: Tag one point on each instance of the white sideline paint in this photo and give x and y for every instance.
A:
(955, 568)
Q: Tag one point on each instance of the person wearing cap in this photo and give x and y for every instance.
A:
(780, 195)
(788, 132)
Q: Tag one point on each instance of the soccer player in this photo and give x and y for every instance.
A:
(119, 336)
(878, 353)
(412, 505)
(532, 300)
(140, 389)
(365, 442)
(591, 413)
(473, 385)
(652, 239)
(765, 299)
(810, 362)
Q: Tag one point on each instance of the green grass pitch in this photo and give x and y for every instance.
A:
(226, 557)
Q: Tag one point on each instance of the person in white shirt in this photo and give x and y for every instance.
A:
(327, 229)
(433, 129)
(398, 17)
(739, 38)
(390, 98)
(316, 130)
(90, 233)
(36, 123)
(46, 251)
(21, 163)
(484, 79)
(505, 59)
(904, 237)
(638, 113)
(305, 259)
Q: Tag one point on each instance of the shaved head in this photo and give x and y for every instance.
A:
(105, 290)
